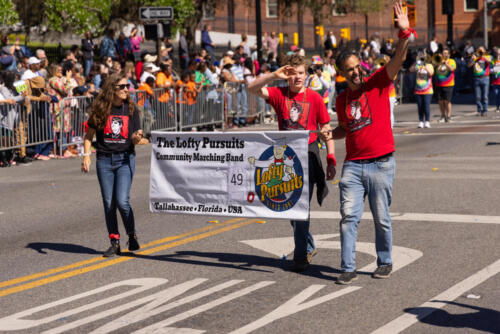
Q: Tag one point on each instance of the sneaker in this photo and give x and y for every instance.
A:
(383, 271)
(299, 265)
(24, 160)
(114, 249)
(427, 125)
(498, 110)
(420, 124)
(442, 120)
(133, 244)
(311, 255)
(448, 120)
(484, 114)
(347, 277)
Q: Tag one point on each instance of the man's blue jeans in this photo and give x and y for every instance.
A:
(87, 65)
(115, 172)
(424, 106)
(482, 86)
(358, 181)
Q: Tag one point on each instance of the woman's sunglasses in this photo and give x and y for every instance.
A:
(122, 86)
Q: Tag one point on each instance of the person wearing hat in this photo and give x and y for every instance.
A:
(33, 68)
(150, 70)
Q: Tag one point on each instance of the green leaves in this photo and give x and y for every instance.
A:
(8, 14)
(77, 15)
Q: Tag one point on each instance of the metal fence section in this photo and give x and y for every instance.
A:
(24, 126)
(203, 107)
(76, 109)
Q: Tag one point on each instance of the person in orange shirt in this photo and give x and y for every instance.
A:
(164, 80)
(187, 97)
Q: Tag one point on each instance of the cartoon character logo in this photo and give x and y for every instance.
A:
(278, 177)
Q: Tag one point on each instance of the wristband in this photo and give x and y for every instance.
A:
(330, 159)
(405, 34)
(86, 154)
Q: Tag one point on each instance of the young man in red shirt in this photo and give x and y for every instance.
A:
(299, 108)
(363, 111)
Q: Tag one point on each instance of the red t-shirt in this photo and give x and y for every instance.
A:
(367, 119)
(303, 111)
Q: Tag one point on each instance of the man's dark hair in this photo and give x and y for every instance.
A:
(343, 56)
(150, 81)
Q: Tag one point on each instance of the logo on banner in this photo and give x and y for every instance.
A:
(278, 177)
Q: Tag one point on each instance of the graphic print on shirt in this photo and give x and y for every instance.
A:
(481, 68)
(116, 129)
(298, 114)
(358, 114)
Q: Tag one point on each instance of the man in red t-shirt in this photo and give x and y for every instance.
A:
(299, 108)
(363, 111)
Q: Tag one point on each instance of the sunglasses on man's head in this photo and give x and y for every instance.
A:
(122, 86)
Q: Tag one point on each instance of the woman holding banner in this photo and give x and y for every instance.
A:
(114, 119)
(299, 108)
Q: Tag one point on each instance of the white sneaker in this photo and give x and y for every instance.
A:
(427, 124)
(420, 124)
(442, 120)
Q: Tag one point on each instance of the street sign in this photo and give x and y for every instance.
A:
(156, 13)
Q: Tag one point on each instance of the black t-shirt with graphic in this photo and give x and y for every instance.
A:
(116, 135)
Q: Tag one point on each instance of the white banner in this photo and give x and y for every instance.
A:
(237, 174)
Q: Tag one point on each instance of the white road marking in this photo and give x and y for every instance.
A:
(15, 321)
(159, 326)
(401, 256)
(438, 302)
(428, 217)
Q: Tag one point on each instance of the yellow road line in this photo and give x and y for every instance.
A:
(120, 259)
(100, 258)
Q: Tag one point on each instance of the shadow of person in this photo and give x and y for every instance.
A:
(40, 247)
(237, 261)
(484, 319)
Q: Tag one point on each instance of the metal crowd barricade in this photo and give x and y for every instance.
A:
(13, 126)
(77, 109)
(164, 109)
(237, 102)
(200, 108)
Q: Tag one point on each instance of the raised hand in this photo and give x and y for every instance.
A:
(401, 16)
(285, 72)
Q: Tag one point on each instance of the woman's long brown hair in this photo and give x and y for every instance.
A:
(101, 107)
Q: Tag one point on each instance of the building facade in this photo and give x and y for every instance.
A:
(238, 16)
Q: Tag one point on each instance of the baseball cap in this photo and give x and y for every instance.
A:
(33, 60)
(149, 58)
(316, 60)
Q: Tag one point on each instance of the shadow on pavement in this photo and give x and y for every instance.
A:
(239, 261)
(40, 247)
(484, 320)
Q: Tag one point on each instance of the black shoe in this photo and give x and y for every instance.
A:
(347, 277)
(383, 271)
(299, 265)
(133, 244)
(310, 255)
(114, 249)
(24, 160)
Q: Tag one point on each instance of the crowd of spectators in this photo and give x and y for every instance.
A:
(85, 67)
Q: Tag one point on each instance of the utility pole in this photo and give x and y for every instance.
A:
(485, 23)
(258, 23)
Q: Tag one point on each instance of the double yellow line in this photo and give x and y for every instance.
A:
(82, 267)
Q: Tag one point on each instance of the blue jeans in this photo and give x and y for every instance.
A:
(304, 241)
(115, 172)
(242, 105)
(359, 180)
(496, 95)
(481, 86)
(424, 106)
(87, 65)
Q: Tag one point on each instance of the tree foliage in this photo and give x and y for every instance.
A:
(8, 14)
(78, 16)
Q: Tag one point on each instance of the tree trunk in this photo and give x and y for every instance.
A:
(317, 38)
(300, 21)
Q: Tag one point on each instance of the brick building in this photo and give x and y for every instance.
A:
(238, 16)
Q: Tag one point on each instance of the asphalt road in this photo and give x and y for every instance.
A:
(192, 276)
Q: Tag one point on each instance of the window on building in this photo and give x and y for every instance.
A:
(338, 9)
(208, 11)
(272, 8)
(471, 5)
